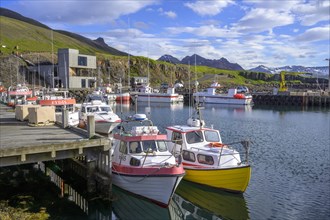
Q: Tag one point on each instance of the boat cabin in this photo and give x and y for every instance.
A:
(200, 146)
(142, 145)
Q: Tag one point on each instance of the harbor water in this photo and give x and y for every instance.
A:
(289, 156)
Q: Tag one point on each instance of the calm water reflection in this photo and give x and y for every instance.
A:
(290, 156)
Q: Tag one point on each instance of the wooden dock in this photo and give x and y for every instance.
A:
(21, 143)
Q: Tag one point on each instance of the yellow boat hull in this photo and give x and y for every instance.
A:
(230, 179)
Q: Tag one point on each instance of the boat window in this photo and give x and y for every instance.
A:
(123, 147)
(177, 138)
(149, 144)
(105, 108)
(212, 136)
(194, 137)
(205, 159)
(135, 147)
(189, 156)
(134, 162)
(93, 109)
(162, 146)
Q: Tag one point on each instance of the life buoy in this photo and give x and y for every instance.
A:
(216, 144)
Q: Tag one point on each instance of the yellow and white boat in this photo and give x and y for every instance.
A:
(206, 159)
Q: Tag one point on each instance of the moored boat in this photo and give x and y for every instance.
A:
(17, 94)
(142, 163)
(61, 100)
(209, 95)
(105, 119)
(206, 159)
(147, 94)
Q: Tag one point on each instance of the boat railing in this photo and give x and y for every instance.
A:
(244, 153)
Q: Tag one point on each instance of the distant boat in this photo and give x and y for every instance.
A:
(209, 95)
(17, 95)
(206, 159)
(147, 94)
(142, 163)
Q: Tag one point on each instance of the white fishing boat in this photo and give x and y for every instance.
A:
(61, 101)
(206, 159)
(17, 95)
(209, 95)
(105, 119)
(147, 94)
(142, 163)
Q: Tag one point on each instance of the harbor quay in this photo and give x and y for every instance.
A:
(21, 143)
(294, 98)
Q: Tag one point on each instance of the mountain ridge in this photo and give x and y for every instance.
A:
(316, 71)
(198, 60)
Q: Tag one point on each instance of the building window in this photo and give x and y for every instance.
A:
(82, 61)
(83, 83)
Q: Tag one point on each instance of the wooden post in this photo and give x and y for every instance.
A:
(65, 118)
(90, 126)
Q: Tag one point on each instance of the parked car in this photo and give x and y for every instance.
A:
(242, 89)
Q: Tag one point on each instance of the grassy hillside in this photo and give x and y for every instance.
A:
(21, 37)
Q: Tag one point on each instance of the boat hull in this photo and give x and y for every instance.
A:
(217, 99)
(229, 179)
(155, 187)
(159, 98)
(105, 127)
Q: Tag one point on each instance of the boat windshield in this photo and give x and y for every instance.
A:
(212, 136)
(105, 108)
(149, 145)
(194, 137)
(92, 109)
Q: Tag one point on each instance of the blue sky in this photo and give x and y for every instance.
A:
(250, 33)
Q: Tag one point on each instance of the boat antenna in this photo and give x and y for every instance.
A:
(53, 77)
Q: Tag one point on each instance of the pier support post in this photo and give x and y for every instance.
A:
(65, 118)
(90, 126)
(91, 185)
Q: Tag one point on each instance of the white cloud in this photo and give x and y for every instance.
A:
(81, 12)
(170, 14)
(315, 34)
(313, 12)
(260, 19)
(204, 31)
(210, 8)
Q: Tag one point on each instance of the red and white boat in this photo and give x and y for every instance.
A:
(142, 163)
(122, 97)
(61, 100)
(210, 95)
(17, 94)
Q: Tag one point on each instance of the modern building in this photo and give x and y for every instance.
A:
(76, 70)
(73, 71)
